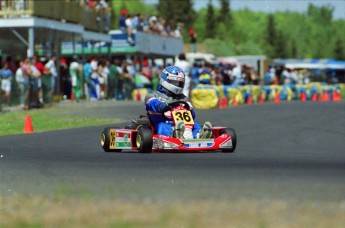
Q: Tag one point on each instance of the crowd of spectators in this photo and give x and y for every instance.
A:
(131, 23)
(102, 8)
(97, 78)
(28, 78)
(278, 75)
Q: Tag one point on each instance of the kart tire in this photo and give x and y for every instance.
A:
(232, 133)
(144, 139)
(129, 127)
(105, 141)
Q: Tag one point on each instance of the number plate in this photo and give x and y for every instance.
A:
(184, 115)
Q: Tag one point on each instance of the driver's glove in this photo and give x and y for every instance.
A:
(163, 107)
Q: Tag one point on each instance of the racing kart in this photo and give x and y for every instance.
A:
(139, 135)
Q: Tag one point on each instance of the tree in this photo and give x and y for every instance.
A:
(225, 13)
(322, 14)
(280, 50)
(271, 30)
(271, 36)
(339, 49)
(210, 21)
(294, 53)
(179, 11)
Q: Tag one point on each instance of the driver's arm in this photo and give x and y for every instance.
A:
(153, 104)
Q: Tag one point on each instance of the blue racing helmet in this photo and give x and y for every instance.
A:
(172, 79)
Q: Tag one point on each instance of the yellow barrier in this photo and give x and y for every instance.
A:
(235, 96)
(204, 98)
(139, 94)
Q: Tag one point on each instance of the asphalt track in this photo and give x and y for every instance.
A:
(289, 151)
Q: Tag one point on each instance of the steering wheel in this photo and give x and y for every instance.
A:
(177, 103)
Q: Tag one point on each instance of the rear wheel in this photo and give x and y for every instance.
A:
(105, 141)
(232, 133)
(144, 139)
(129, 127)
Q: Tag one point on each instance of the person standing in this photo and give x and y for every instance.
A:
(51, 67)
(185, 66)
(225, 74)
(192, 36)
(20, 80)
(113, 80)
(74, 71)
(6, 78)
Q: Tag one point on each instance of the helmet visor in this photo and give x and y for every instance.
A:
(177, 83)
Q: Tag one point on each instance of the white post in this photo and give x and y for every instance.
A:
(31, 33)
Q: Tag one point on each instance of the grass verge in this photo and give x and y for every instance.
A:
(39, 211)
(47, 119)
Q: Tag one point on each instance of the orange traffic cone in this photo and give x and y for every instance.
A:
(249, 100)
(234, 103)
(326, 96)
(276, 98)
(336, 96)
(320, 98)
(28, 128)
(222, 102)
(72, 97)
(314, 97)
(138, 95)
(303, 97)
(261, 99)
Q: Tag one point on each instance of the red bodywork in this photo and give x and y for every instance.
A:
(125, 139)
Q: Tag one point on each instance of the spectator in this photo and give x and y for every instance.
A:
(225, 74)
(103, 6)
(90, 85)
(135, 23)
(20, 80)
(27, 74)
(155, 72)
(113, 80)
(6, 78)
(192, 36)
(237, 74)
(38, 70)
(185, 66)
(129, 29)
(154, 25)
(168, 28)
(94, 78)
(195, 73)
(11, 65)
(103, 72)
(177, 32)
(51, 67)
(128, 82)
(120, 89)
(122, 21)
(74, 70)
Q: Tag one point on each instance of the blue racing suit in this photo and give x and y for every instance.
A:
(156, 106)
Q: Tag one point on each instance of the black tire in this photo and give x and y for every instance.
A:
(144, 139)
(232, 133)
(105, 141)
(129, 127)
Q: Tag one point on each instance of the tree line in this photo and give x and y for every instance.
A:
(224, 32)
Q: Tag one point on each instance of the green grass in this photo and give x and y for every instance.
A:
(48, 119)
(43, 211)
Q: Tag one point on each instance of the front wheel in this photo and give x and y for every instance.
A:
(144, 140)
(232, 133)
(105, 141)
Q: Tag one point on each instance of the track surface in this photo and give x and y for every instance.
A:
(290, 151)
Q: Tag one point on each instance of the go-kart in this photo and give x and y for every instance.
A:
(139, 135)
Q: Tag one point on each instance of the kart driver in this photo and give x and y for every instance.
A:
(170, 90)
